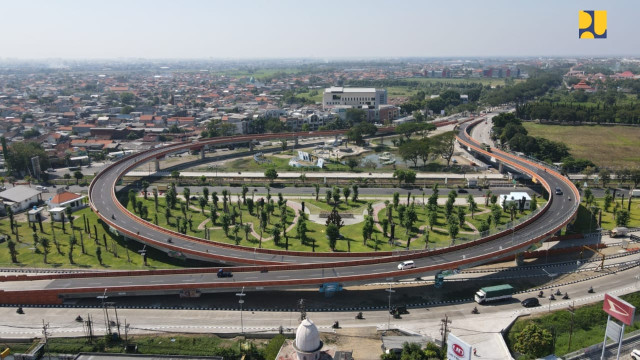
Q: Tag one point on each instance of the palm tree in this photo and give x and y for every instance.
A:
(236, 230)
(247, 230)
(46, 248)
(145, 185)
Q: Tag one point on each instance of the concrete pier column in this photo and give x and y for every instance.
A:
(157, 164)
(295, 141)
(500, 167)
(202, 153)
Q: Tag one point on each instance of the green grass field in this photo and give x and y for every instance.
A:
(609, 146)
(114, 254)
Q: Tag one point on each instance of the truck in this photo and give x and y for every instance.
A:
(224, 274)
(494, 293)
(619, 231)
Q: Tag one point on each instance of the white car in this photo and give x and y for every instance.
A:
(635, 354)
(406, 265)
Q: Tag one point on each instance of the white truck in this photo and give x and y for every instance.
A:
(619, 231)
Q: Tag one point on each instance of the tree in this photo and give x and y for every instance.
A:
(187, 196)
(20, 153)
(534, 341)
(13, 252)
(410, 151)
(72, 244)
(175, 174)
(354, 197)
(275, 232)
(452, 227)
(145, 186)
(236, 230)
(622, 217)
(335, 218)
(225, 222)
(461, 216)
(155, 198)
(444, 145)
(245, 190)
(472, 204)
(202, 202)
(605, 177)
(271, 174)
(634, 176)
(78, 175)
(352, 163)
(533, 205)
(400, 175)
(333, 234)
(99, 254)
(396, 199)
(328, 197)
(346, 191)
(317, 188)
(335, 194)
(432, 218)
(410, 218)
(301, 229)
(496, 214)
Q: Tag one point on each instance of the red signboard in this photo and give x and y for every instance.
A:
(618, 308)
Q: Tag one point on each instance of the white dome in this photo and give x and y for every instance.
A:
(307, 337)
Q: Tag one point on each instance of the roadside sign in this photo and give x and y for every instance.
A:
(618, 308)
(457, 349)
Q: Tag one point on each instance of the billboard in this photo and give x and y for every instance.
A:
(618, 308)
(457, 349)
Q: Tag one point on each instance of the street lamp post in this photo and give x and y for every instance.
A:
(390, 291)
(241, 301)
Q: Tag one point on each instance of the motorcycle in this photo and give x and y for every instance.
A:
(20, 311)
(558, 293)
(551, 297)
(541, 294)
(590, 291)
(359, 316)
(566, 296)
(336, 325)
(475, 310)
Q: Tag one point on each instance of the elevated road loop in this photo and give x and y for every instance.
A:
(279, 269)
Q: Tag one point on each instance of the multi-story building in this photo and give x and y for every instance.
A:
(354, 97)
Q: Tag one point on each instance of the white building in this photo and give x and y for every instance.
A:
(354, 97)
(516, 196)
(20, 197)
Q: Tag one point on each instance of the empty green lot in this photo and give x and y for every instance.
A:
(610, 146)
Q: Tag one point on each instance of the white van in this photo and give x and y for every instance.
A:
(406, 265)
(41, 188)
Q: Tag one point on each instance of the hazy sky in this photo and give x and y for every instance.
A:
(310, 28)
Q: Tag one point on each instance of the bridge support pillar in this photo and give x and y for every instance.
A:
(202, 153)
(500, 167)
(295, 142)
(156, 163)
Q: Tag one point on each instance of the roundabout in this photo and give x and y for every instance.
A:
(278, 269)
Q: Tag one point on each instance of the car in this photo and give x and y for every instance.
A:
(406, 265)
(530, 302)
(462, 191)
(51, 170)
(558, 191)
(223, 274)
(454, 161)
(635, 354)
(41, 188)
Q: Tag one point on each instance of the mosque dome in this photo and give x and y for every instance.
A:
(307, 337)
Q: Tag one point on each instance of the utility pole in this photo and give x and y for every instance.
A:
(107, 323)
(46, 339)
(444, 329)
(572, 310)
(241, 301)
(390, 291)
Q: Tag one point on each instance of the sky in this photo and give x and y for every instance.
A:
(326, 29)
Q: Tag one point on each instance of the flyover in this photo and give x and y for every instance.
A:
(278, 269)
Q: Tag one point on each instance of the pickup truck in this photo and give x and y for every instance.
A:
(223, 274)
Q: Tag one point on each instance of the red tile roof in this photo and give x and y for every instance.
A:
(64, 197)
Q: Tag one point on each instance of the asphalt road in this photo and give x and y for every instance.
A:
(560, 209)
